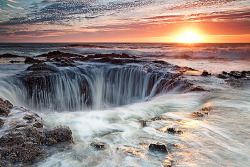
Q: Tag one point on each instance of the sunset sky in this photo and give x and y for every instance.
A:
(124, 20)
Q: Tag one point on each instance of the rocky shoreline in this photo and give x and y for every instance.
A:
(25, 138)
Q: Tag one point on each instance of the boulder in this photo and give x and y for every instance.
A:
(158, 148)
(8, 55)
(30, 60)
(60, 134)
(1, 123)
(42, 67)
(56, 54)
(173, 131)
(205, 73)
(26, 144)
(63, 61)
(5, 107)
(98, 145)
(143, 123)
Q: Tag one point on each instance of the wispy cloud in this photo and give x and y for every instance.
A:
(14, 6)
(12, 1)
(47, 16)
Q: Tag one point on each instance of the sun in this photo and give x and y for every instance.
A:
(189, 36)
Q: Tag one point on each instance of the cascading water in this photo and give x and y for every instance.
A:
(87, 87)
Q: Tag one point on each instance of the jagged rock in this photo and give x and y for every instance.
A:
(25, 144)
(42, 67)
(158, 118)
(5, 107)
(14, 61)
(32, 119)
(234, 75)
(158, 147)
(98, 146)
(222, 76)
(1, 123)
(197, 89)
(38, 124)
(205, 110)
(60, 134)
(25, 153)
(57, 53)
(62, 61)
(205, 73)
(198, 114)
(173, 131)
(30, 60)
(8, 55)
(143, 123)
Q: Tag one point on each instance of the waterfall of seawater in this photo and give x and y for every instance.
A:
(87, 87)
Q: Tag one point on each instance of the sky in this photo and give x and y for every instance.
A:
(124, 20)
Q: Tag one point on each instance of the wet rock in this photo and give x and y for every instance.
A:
(222, 76)
(205, 110)
(25, 153)
(34, 120)
(29, 117)
(197, 89)
(158, 118)
(38, 124)
(26, 144)
(42, 67)
(14, 61)
(8, 55)
(197, 114)
(5, 107)
(158, 147)
(27, 140)
(205, 73)
(56, 54)
(30, 60)
(234, 75)
(62, 62)
(98, 145)
(1, 123)
(143, 123)
(173, 131)
(60, 134)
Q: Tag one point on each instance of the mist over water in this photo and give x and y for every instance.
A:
(118, 97)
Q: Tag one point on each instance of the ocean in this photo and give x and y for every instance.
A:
(120, 96)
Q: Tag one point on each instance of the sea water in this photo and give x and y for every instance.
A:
(219, 139)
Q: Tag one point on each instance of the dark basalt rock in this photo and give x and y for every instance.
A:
(42, 67)
(34, 121)
(60, 134)
(98, 146)
(57, 54)
(5, 107)
(205, 73)
(1, 123)
(158, 147)
(205, 110)
(8, 55)
(143, 123)
(222, 76)
(173, 131)
(234, 75)
(197, 89)
(62, 62)
(28, 140)
(14, 61)
(30, 60)
(26, 144)
(158, 118)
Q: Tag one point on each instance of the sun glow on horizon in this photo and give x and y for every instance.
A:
(189, 36)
